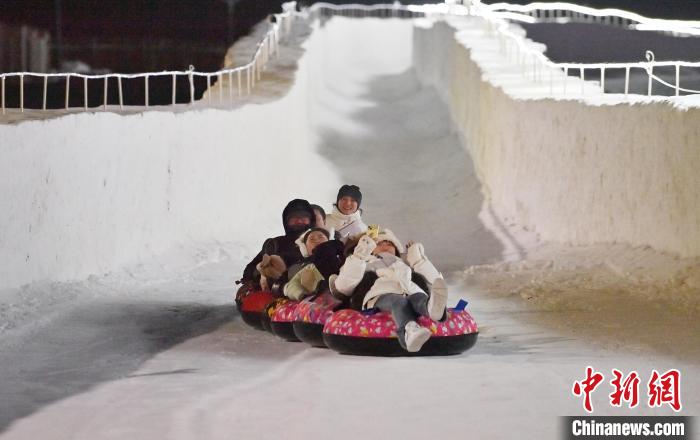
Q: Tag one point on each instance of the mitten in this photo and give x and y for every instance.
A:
(415, 254)
(364, 248)
(272, 267)
(309, 279)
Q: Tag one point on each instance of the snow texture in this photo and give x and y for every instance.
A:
(153, 216)
(579, 169)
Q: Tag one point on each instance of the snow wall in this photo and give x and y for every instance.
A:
(572, 172)
(89, 193)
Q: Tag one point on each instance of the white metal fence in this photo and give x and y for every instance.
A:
(561, 12)
(540, 69)
(241, 79)
(537, 66)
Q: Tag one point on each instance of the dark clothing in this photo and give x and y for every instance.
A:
(328, 257)
(283, 245)
(358, 295)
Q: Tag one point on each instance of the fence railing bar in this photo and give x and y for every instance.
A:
(85, 93)
(174, 89)
(45, 92)
(209, 89)
(2, 92)
(121, 93)
(191, 79)
(67, 91)
(21, 93)
(105, 94)
(145, 92)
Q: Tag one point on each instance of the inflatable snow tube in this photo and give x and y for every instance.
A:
(353, 332)
(310, 316)
(281, 319)
(251, 306)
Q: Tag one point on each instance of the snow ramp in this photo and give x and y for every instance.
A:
(89, 193)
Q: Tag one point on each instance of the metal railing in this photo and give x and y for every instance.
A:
(561, 12)
(244, 77)
(393, 10)
(539, 68)
(535, 64)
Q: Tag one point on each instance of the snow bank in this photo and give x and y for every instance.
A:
(579, 171)
(86, 194)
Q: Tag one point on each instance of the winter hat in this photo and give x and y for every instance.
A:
(387, 235)
(297, 208)
(351, 191)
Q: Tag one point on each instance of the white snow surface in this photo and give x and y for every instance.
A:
(125, 327)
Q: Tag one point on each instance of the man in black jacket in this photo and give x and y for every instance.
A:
(297, 217)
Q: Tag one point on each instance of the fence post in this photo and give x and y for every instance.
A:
(650, 70)
(43, 101)
(145, 81)
(2, 86)
(221, 87)
(627, 80)
(85, 93)
(209, 88)
(230, 85)
(247, 77)
(67, 91)
(106, 93)
(566, 78)
(174, 89)
(602, 79)
(121, 93)
(21, 93)
(678, 79)
(583, 81)
(191, 78)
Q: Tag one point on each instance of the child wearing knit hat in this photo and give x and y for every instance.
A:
(346, 217)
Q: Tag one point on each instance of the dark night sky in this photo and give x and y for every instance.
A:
(201, 30)
(206, 20)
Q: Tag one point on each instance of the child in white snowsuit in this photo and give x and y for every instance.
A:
(346, 217)
(393, 289)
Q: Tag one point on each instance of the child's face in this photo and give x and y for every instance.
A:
(385, 246)
(347, 205)
(314, 239)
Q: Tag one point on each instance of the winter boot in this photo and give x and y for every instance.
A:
(415, 336)
(438, 300)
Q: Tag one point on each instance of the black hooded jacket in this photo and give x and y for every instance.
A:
(283, 245)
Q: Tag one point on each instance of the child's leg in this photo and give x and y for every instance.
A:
(401, 311)
(411, 335)
(419, 303)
